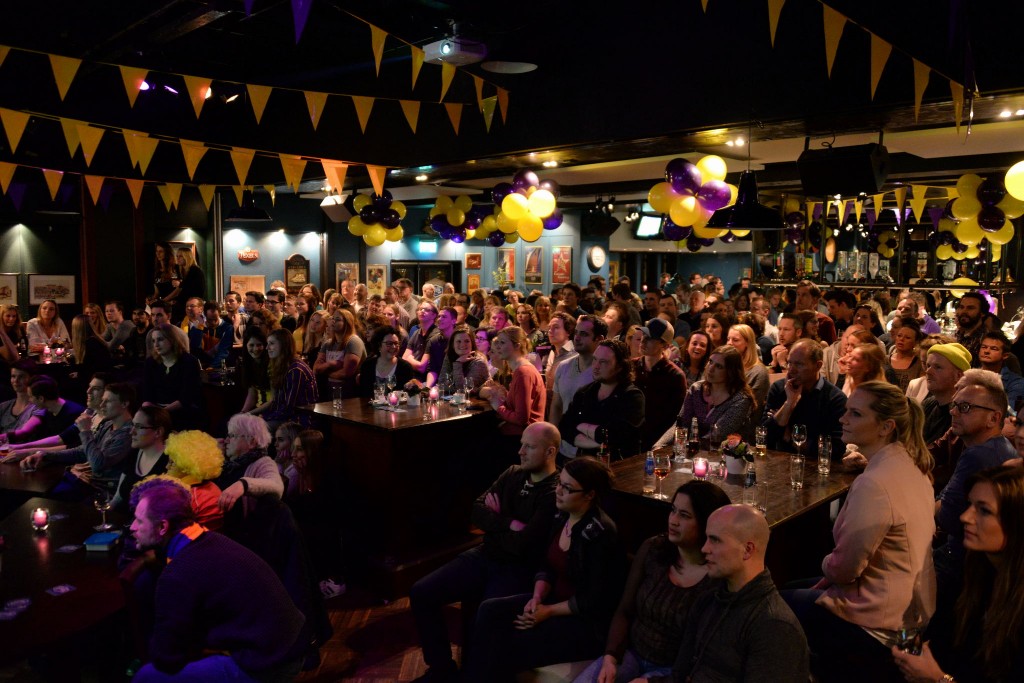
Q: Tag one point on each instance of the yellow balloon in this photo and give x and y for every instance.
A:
(436, 211)
(444, 202)
(944, 252)
(1015, 180)
(686, 211)
(530, 227)
(963, 280)
(885, 251)
(997, 253)
(374, 236)
(1011, 206)
(661, 197)
(733, 193)
(972, 251)
(708, 233)
(394, 234)
(712, 168)
(530, 190)
(470, 234)
(356, 226)
(455, 216)
(506, 223)
(541, 203)
(515, 206)
(947, 225)
(359, 201)
(488, 225)
(967, 185)
(1002, 236)
(741, 233)
(512, 238)
(400, 208)
(965, 207)
(463, 203)
(681, 244)
(969, 232)
(959, 257)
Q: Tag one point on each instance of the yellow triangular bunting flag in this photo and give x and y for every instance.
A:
(704, 5)
(957, 91)
(95, 185)
(90, 137)
(3, 53)
(488, 110)
(6, 173)
(135, 188)
(411, 109)
(858, 209)
(921, 75)
(145, 146)
(417, 63)
(876, 202)
(363, 107)
(258, 96)
(273, 194)
(447, 74)
(53, 179)
(130, 136)
(454, 110)
(64, 70)
(377, 177)
(242, 159)
(841, 207)
(917, 206)
(919, 191)
(774, 10)
(193, 152)
(293, 167)
(335, 172)
(133, 79)
(503, 104)
(880, 51)
(198, 88)
(810, 211)
(478, 84)
(901, 197)
(834, 24)
(239, 189)
(165, 194)
(14, 125)
(315, 102)
(70, 128)
(207, 192)
(174, 189)
(377, 37)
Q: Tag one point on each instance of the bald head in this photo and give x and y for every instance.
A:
(538, 447)
(745, 524)
(737, 537)
(546, 434)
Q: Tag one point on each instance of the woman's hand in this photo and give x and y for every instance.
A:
(918, 668)
(855, 460)
(609, 667)
(530, 618)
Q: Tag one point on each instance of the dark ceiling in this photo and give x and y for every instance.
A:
(615, 79)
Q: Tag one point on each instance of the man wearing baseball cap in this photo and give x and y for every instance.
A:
(661, 381)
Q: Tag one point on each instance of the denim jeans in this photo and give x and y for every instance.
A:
(632, 666)
(215, 669)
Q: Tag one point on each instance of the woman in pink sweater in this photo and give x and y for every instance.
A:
(524, 401)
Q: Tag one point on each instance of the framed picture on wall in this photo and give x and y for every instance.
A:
(561, 265)
(9, 289)
(506, 266)
(247, 283)
(345, 271)
(296, 273)
(60, 288)
(474, 260)
(472, 283)
(613, 272)
(376, 278)
(533, 266)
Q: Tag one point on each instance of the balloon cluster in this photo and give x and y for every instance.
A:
(379, 219)
(690, 195)
(456, 220)
(524, 208)
(884, 242)
(980, 215)
(1014, 181)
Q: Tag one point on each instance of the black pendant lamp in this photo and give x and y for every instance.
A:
(747, 213)
(248, 211)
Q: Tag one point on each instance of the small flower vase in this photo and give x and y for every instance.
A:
(735, 465)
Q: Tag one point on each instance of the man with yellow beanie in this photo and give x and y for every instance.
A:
(945, 366)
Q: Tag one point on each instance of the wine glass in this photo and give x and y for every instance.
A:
(799, 438)
(390, 383)
(102, 501)
(662, 466)
(470, 386)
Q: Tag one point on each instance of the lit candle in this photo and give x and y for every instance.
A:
(700, 468)
(434, 394)
(393, 399)
(59, 351)
(40, 518)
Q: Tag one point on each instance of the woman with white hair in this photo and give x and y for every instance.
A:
(248, 470)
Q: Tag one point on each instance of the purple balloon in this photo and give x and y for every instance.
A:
(991, 192)
(707, 241)
(391, 218)
(991, 218)
(458, 235)
(370, 214)
(554, 220)
(728, 238)
(551, 186)
(683, 176)
(439, 223)
(685, 232)
(934, 240)
(947, 238)
(383, 200)
(693, 243)
(672, 231)
(500, 191)
(947, 212)
(714, 194)
(523, 180)
(959, 247)
(796, 220)
(496, 238)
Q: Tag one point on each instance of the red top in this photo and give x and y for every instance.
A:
(525, 401)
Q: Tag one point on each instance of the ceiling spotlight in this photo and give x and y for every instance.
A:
(232, 98)
(170, 89)
(730, 143)
(144, 86)
(740, 141)
(550, 164)
(422, 177)
(1005, 114)
(446, 47)
(1020, 112)
(394, 171)
(209, 94)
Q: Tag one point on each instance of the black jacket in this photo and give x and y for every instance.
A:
(621, 417)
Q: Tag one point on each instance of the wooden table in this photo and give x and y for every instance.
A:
(16, 486)
(31, 565)
(799, 518)
(407, 484)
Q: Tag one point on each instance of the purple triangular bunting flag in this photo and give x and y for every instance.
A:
(300, 12)
(106, 192)
(16, 191)
(847, 207)
(871, 215)
(64, 193)
(817, 210)
(935, 213)
(248, 6)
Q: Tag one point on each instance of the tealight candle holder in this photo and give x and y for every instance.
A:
(393, 400)
(700, 468)
(40, 518)
(434, 394)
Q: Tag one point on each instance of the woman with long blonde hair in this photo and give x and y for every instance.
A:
(10, 332)
(523, 402)
(97, 320)
(741, 337)
(864, 363)
(46, 328)
(91, 353)
(192, 284)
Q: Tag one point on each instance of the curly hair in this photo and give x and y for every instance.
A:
(194, 456)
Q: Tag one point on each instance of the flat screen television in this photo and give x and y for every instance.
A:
(649, 225)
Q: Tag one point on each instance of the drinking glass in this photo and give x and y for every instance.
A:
(762, 496)
(824, 456)
(470, 386)
(390, 383)
(393, 401)
(337, 396)
(796, 471)
(799, 437)
(102, 501)
(761, 441)
(662, 466)
(679, 444)
(908, 639)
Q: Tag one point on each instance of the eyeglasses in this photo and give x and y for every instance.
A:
(233, 436)
(568, 489)
(139, 427)
(963, 407)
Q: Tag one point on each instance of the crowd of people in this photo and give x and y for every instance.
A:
(577, 377)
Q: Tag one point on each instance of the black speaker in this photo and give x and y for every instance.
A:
(843, 170)
(596, 223)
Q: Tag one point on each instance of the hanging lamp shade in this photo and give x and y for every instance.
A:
(248, 211)
(747, 213)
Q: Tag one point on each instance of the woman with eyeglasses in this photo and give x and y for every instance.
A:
(879, 578)
(151, 426)
(567, 616)
(383, 363)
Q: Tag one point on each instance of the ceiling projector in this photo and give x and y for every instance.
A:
(456, 51)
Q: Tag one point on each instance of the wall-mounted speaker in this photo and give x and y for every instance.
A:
(843, 170)
(597, 223)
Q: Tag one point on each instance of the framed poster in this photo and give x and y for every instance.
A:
(474, 260)
(376, 278)
(9, 289)
(296, 273)
(506, 270)
(472, 283)
(60, 288)
(345, 271)
(247, 283)
(561, 265)
(533, 266)
(613, 271)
